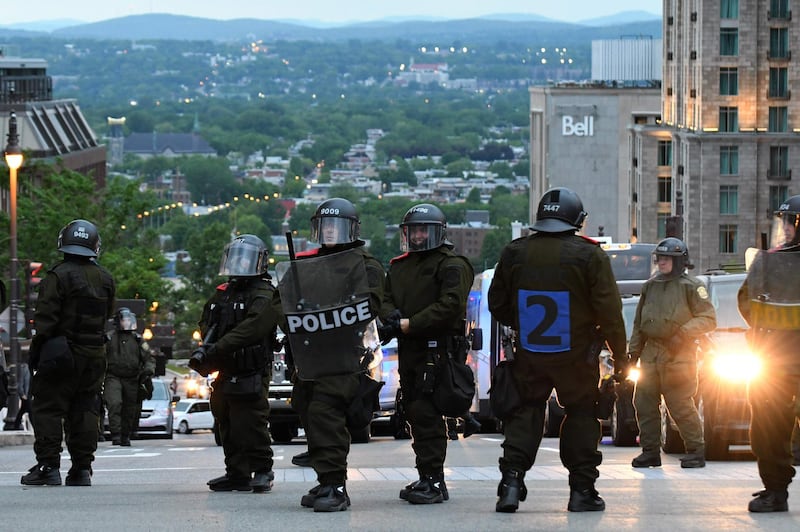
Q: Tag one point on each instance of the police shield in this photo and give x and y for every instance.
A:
(773, 290)
(326, 302)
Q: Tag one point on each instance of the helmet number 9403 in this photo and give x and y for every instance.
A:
(329, 210)
(544, 321)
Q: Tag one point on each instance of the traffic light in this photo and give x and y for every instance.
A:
(32, 280)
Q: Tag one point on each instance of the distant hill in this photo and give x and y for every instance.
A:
(621, 18)
(489, 29)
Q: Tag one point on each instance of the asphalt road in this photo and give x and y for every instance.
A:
(161, 485)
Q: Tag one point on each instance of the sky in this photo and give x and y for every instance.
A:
(14, 12)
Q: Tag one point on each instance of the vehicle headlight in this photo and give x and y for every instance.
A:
(634, 374)
(161, 411)
(736, 366)
(191, 386)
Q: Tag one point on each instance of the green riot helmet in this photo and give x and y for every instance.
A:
(79, 237)
(125, 320)
(785, 224)
(335, 222)
(560, 210)
(246, 256)
(675, 248)
(423, 227)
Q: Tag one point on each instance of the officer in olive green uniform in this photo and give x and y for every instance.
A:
(769, 300)
(554, 288)
(129, 361)
(321, 402)
(242, 323)
(425, 303)
(76, 299)
(673, 311)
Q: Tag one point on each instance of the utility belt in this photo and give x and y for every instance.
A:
(438, 351)
(244, 371)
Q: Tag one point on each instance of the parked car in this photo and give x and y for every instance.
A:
(725, 367)
(621, 426)
(192, 414)
(156, 415)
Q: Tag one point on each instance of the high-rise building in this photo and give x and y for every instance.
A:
(721, 160)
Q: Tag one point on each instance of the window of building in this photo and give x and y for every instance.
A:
(729, 41)
(729, 81)
(779, 9)
(729, 199)
(729, 9)
(779, 82)
(779, 161)
(662, 225)
(728, 119)
(729, 160)
(664, 189)
(777, 195)
(728, 235)
(778, 119)
(779, 43)
(664, 153)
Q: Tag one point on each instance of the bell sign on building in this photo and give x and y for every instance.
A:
(580, 128)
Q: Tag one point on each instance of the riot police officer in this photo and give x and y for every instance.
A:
(239, 324)
(769, 300)
(554, 288)
(129, 362)
(673, 311)
(322, 393)
(76, 299)
(425, 302)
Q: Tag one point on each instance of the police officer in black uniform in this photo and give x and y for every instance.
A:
(425, 304)
(76, 299)
(554, 288)
(769, 300)
(242, 323)
(321, 402)
(129, 363)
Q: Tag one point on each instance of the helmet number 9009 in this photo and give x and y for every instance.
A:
(329, 210)
(544, 321)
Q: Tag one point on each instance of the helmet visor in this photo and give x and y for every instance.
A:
(127, 320)
(784, 231)
(331, 230)
(420, 237)
(242, 258)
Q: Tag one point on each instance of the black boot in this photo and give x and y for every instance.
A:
(262, 481)
(116, 439)
(302, 459)
(331, 498)
(125, 440)
(585, 500)
(510, 491)
(647, 459)
(77, 476)
(431, 489)
(42, 475)
(226, 483)
(694, 459)
(471, 426)
(769, 501)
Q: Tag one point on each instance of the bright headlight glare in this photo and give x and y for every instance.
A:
(737, 367)
(634, 374)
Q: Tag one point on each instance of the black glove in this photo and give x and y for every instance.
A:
(621, 365)
(199, 361)
(390, 328)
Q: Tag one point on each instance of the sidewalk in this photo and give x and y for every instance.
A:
(14, 437)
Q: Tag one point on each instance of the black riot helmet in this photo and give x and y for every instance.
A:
(423, 227)
(675, 248)
(79, 237)
(335, 222)
(245, 256)
(560, 210)
(125, 320)
(786, 223)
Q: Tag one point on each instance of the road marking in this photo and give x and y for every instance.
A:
(187, 448)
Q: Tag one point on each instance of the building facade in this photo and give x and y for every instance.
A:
(580, 135)
(722, 159)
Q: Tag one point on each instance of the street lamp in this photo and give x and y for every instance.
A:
(13, 155)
